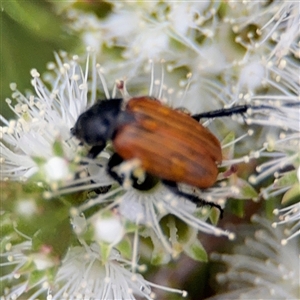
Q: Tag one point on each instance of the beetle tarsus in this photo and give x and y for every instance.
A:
(101, 189)
(198, 201)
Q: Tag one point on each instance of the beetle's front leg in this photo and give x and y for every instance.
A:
(113, 162)
(95, 150)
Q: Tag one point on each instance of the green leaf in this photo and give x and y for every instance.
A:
(292, 195)
(100, 8)
(125, 248)
(214, 215)
(246, 191)
(236, 207)
(32, 33)
(191, 245)
(160, 257)
(179, 230)
(35, 277)
(38, 160)
(34, 16)
(287, 179)
(159, 253)
(58, 148)
(105, 251)
(55, 235)
(196, 251)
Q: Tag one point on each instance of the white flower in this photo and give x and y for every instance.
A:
(26, 207)
(39, 141)
(261, 268)
(108, 229)
(290, 217)
(203, 38)
(56, 169)
(19, 270)
(282, 140)
(148, 208)
(83, 275)
(252, 75)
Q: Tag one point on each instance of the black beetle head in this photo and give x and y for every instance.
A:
(98, 124)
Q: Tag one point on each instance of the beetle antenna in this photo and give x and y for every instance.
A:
(236, 110)
(224, 112)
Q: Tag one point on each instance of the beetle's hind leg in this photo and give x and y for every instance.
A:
(129, 172)
(135, 176)
(172, 186)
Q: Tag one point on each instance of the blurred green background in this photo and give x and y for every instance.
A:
(30, 32)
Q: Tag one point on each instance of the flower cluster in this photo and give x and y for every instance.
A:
(59, 183)
(238, 52)
(69, 230)
(260, 268)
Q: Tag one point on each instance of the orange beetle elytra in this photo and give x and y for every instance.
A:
(169, 143)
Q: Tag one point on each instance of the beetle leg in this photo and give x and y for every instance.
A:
(95, 150)
(172, 186)
(131, 172)
(114, 161)
(126, 169)
(139, 179)
(102, 189)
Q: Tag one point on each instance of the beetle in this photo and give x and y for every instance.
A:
(169, 144)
